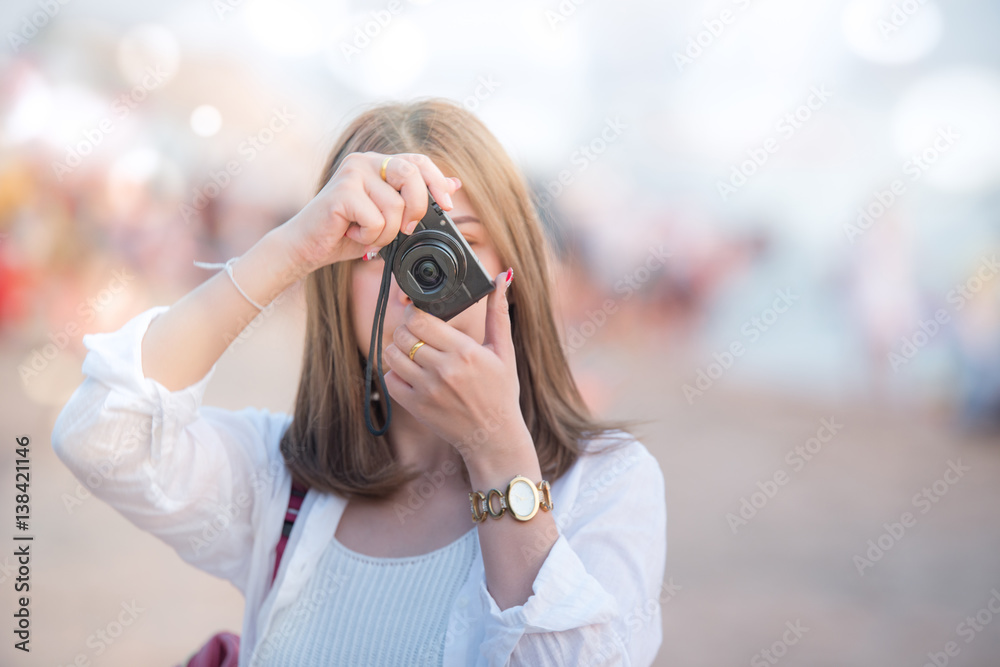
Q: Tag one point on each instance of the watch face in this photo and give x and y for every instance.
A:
(522, 498)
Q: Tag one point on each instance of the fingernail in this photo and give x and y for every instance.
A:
(369, 255)
(510, 276)
(458, 183)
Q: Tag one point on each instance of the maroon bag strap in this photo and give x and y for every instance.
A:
(294, 503)
(223, 648)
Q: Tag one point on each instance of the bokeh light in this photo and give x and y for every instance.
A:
(966, 100)
(146, 49)
(697, 167)
(206, 120)
(892, 32)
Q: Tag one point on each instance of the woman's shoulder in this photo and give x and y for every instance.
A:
(612, 458)
(614, 447)
(617, 484)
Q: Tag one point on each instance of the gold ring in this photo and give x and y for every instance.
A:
(413, 350)
(385, 163)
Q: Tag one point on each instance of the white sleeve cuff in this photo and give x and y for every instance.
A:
(564, 596)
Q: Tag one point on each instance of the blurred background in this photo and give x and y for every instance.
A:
(777, 225)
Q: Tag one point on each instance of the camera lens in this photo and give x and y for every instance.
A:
(428, 274)
(429, 265)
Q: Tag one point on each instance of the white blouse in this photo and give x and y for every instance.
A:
(212, 484)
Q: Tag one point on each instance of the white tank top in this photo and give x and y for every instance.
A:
(362, 611)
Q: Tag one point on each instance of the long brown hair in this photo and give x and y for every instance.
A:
(328, 445)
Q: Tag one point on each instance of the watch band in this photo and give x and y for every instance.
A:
(482, 503)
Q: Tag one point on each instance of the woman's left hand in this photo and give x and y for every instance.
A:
(465, 392)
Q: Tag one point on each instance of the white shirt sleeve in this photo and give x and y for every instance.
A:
(190, 475)
(596, 598)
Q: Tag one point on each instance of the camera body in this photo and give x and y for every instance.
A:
(436, 267)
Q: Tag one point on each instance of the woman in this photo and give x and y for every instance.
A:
(388, 561)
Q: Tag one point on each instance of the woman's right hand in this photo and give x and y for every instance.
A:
(356, 211)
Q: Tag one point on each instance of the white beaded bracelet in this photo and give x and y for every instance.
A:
(228, 266)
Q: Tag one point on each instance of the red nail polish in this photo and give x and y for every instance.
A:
(510, 275)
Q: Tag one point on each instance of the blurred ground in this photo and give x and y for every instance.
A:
(733, 593)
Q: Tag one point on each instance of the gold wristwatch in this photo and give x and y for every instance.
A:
(522, 498)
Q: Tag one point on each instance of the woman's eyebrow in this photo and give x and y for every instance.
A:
(465, 218)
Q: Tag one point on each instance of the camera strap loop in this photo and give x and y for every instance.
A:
(380, 308)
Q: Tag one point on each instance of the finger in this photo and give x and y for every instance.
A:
(405, 177)
(425, 356)
(407, 370)
(367, 218)
(390, 204)
(399, 389)
(433, 330)
(498, 335)
(441, 186)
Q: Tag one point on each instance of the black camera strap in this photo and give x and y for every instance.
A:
(380, 307)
